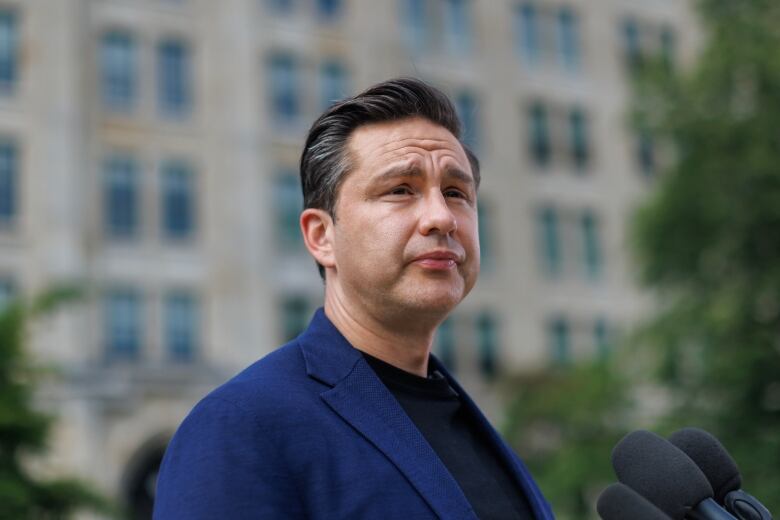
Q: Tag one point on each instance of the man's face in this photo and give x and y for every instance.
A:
(405, 235)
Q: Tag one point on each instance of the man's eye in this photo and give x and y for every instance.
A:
(400, 190)
(454, 193)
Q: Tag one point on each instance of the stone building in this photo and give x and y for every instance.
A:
(148, 150)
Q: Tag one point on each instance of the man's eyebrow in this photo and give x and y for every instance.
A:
(459, 175)
(406, 170)
(399, 170)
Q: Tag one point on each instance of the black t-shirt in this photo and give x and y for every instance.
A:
(436, 409)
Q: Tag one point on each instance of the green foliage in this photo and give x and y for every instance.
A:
(708, 242)
(564, 423)
(23, 430)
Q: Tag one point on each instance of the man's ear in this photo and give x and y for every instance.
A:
(317, 230)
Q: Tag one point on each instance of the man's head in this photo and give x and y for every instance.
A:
(386, 181)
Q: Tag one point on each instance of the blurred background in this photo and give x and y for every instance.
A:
(149, 241)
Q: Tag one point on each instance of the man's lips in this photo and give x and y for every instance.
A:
(438, 260)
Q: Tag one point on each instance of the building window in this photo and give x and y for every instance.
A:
(280, 7)
(457, 23)
(631, 44)
(123, 324)
(295, 314)
(118, 70)
(486, 253)
(174, 78)
(645, 152)
(284, 88)
(568, 40)
(333, 83)
(527, 33)
(549, 240)
(488, 345)
(445, 345)
(7, 292)
(591, 245)
(578, 138)
(9, 165)
(415, 21)
(178, 200)
(601, 337)
(468, 112)
(559, 341)
(288, 200)
(667, 47)
(539, 135)
(121, 196)
(329, 9)
(9, 50)
(182, 326)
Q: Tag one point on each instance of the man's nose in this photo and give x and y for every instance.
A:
(436, 215)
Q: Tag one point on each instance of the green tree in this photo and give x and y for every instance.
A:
(23, 430)
(708, 241)
(564, 422)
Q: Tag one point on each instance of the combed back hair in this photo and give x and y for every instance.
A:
(325, 161)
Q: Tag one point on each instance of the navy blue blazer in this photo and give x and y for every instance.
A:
(310, 431)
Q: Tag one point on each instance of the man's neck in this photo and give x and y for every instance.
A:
(404, 347)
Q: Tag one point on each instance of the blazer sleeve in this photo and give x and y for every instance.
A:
(221, 463)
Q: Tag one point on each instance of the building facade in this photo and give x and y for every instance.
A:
(149, 148)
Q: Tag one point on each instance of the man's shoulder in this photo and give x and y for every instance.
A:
(272, 381)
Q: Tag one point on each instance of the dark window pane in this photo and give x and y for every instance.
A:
(527, 34)
(8, 182)
(457, 25)
(295, 313)
(559, 341)
(445, 345)
(549, 240)
(631, 44)
(488, 345)
(468, 112)
(288, 201)
(645, 152)
(182, 326)
(121, 196)
(9, 50)
(122, 309)
(118, 70)
(178, 200)
(539, 135)
(569, 40)
(174, 78)
(284, 89)
(578, 138)
(7, 292)
(329, 9)
(601, 337)
(333, 83)
(415, 21)
(591, 245)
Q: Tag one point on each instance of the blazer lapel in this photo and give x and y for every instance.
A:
(365, 403)
(360, 398)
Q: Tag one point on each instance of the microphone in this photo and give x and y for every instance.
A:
(664, 475)
(618, 502)
(720, 469)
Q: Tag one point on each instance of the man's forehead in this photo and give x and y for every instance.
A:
(404, 140)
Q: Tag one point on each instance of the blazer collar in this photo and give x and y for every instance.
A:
(363, 401)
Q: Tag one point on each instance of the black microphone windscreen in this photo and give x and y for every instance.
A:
(619, 502)
(711, 457)
(660, 472)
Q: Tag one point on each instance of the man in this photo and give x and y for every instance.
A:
(355, 418)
